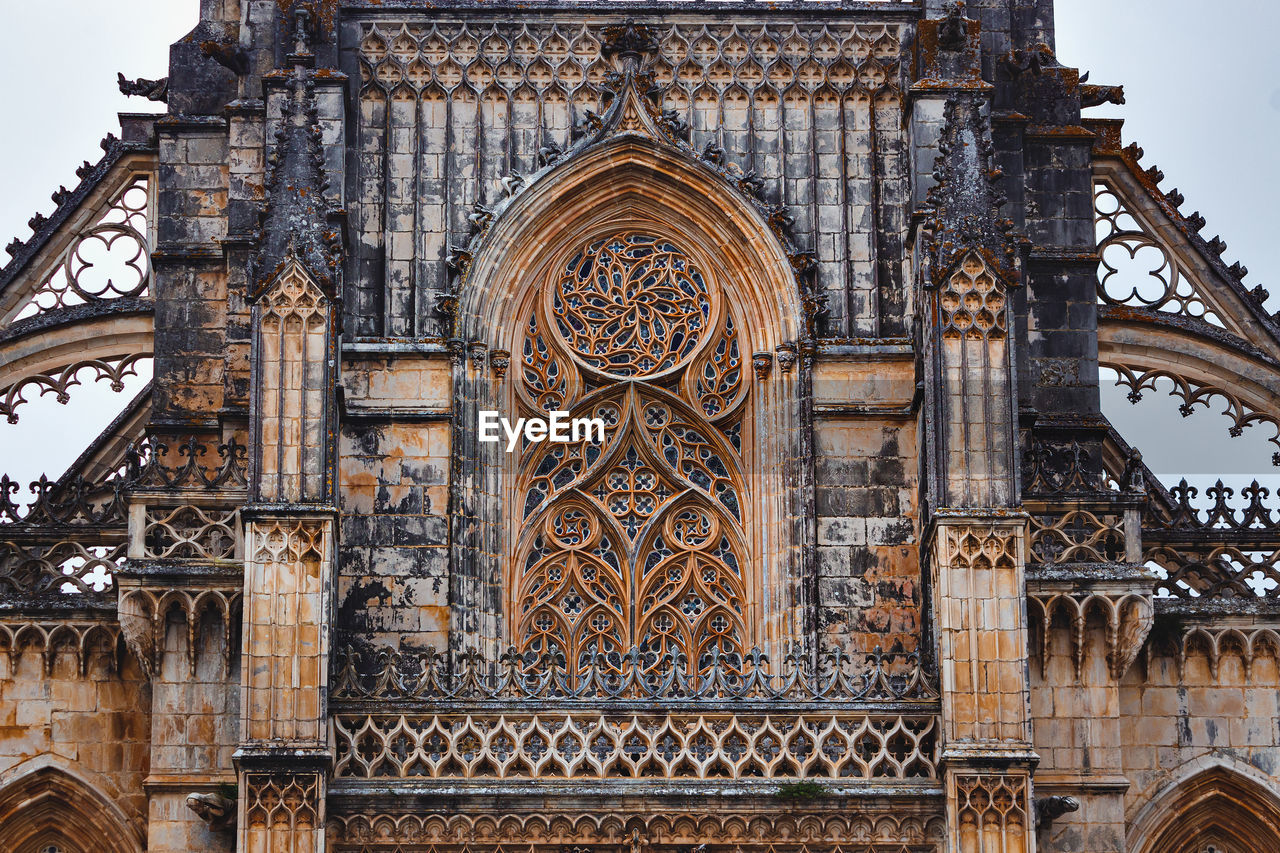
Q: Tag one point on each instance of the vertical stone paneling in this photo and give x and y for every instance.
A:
(366, 287)
(798, 167)
(848, 286)
(978, 580)
(286, 631)
(736, 126)
(461, 183)
(828, 218)
(891, 208)
(766, 144)
(977, 432)
(399, 221)
(293, 391)
(525, 126)
(493, 144)
(774, 98)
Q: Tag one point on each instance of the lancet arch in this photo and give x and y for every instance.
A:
(630, 180)
(49, 806)
(634, 285)
(1215, 807)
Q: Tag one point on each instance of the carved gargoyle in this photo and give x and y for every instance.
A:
(714, 154)
(1049, 809)
(1092, 95)
(674, 123)
(217, 811)
(1135, 479)
(1033, 60)
(152, 90)
(550, 153)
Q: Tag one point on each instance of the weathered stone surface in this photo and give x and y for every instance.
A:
(856, 562)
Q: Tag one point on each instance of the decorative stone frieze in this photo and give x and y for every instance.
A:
(525, 748)
(871, 831)
(1127, 617)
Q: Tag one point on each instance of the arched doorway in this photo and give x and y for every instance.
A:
(50, 811)
(1217, 809)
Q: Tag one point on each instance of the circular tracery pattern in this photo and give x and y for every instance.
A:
(631, 305)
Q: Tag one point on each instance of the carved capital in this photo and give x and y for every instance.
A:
(762, 363)
(786, 357)
(499, 362)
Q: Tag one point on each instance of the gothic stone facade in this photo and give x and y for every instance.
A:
(856, 563)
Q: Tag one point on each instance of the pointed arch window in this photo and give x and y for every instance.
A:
(640, 539)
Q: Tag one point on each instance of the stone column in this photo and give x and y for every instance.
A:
(290, 542)
(978, 577)
(289, 569)
(967, 262)
(284, 758)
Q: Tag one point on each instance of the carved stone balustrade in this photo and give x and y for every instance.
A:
(467, 722)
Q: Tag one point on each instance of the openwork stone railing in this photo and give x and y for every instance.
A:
(74, 502)
(152, 465)
(1255, 515)
(1080, 534)
(71, 537)
(190, 532)
(593, 745)
(835, 676)
(634, 716)
(149, 465)
(1219, 551)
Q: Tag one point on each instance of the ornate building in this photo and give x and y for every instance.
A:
(855, 563)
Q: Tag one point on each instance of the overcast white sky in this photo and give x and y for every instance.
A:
(1203, 87)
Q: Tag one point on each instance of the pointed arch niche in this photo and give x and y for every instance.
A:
(633, 285)
(1216, 809)
(49, 807)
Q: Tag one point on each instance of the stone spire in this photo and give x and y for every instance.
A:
(967, 198)
(298, 222)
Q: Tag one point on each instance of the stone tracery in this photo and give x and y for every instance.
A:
(639, 538)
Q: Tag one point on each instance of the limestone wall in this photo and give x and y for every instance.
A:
(93, 724)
